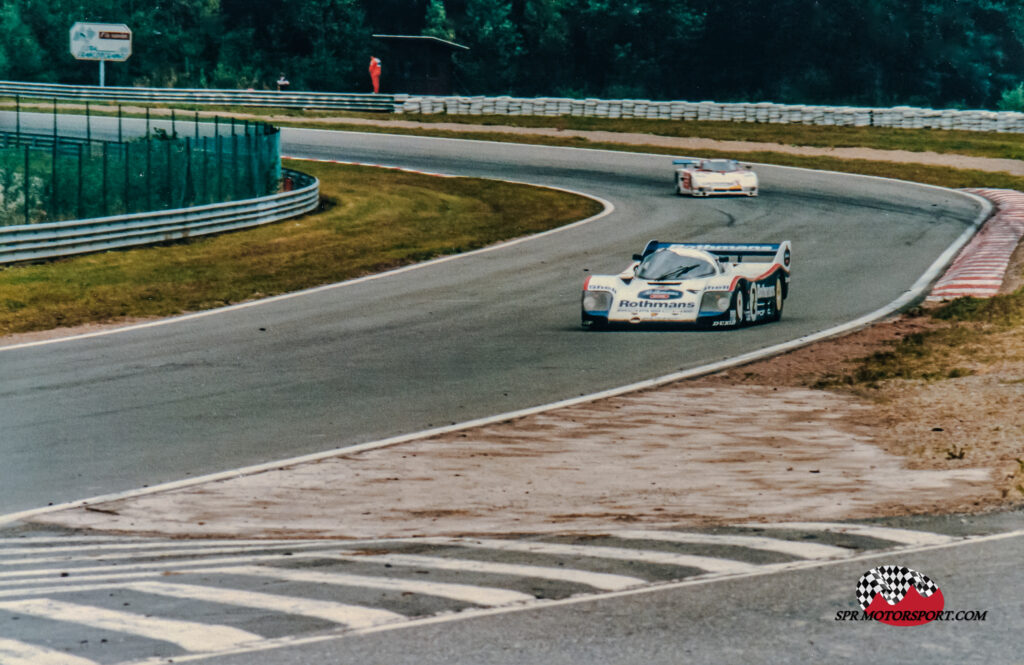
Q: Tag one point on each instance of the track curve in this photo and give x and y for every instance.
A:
(446, 342)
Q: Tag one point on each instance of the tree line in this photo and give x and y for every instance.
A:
(937, 53)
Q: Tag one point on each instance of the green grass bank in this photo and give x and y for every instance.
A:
(371, 220)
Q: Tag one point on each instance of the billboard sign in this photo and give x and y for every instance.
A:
(101, 41)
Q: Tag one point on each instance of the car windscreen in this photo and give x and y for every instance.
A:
(720, 165)
(666, 264)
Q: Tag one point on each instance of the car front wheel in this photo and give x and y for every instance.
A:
(738, 308)
(777, 302)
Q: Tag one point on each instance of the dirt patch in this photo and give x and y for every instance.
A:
(717, 450)
(973, 421)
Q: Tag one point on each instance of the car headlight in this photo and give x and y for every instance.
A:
(597, 301)
(715, 301)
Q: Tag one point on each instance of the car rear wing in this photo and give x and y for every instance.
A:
(780, 252)
(686, 161)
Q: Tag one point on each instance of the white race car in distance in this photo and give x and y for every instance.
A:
(712, 177)
(715, 284)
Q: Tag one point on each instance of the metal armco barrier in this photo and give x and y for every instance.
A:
(56, 239)
(310, 100)
(43, 141)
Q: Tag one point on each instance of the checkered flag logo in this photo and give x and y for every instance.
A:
(892, 582)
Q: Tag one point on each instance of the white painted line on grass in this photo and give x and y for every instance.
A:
(709, 564)
(13, 652)
(477, 595)
(603, 581)
(354, 616)
(902, 536)
(189, 635)
(803, 550)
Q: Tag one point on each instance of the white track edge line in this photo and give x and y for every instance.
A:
(609, 208)
(915, 292)
(771, 569)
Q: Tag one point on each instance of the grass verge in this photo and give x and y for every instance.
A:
(980, 144)
(371, 220)
(958, 338)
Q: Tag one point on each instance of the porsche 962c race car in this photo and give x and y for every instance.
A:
(720, 284)
(712, 177)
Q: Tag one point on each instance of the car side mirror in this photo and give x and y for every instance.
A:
(638, 257)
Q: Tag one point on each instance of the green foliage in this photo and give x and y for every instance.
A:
(20, 55)
(1012, 99)
(1001, 311)
(489, 29)
(938, 53)
(436, 23)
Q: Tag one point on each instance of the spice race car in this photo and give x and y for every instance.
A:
(707, 177)
(712, 284)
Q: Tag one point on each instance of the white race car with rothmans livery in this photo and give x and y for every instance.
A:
(713, 177)
(714, 284)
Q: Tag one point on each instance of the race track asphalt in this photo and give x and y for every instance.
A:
(487, 333)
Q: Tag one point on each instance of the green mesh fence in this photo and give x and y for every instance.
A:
(49, 178)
